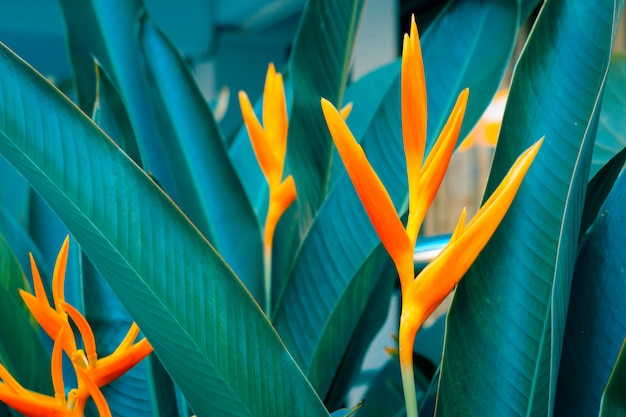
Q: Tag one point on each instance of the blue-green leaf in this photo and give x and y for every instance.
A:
(506, 324)
(203, 324)
(614, 398)
(213, 197)
(596, 320)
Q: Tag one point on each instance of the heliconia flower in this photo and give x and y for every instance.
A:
(422, 294)
(92, 372)
(269, 142)
(34, 404)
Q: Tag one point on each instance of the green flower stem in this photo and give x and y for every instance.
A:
(267, 278)
(408, 384)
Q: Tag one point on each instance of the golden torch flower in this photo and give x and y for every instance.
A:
(422, 294)
(270, 147)
(92, 372)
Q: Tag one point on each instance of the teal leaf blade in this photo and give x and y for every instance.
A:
(319, 65)
(213, 197)
(506, 324)
(596, 319)
(614, 398)
(599, 188)
(203, 324)
(106, 30)
(109, 320)
(611, 137)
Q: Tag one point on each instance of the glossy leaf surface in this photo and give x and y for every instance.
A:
(212, 197)
(505, 327)
(596, 320)
(205, 327)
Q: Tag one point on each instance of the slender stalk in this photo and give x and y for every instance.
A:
(267, 278)
(408, 384)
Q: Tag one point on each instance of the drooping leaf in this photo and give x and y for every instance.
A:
(213, 197)
(21, 350)
(203, 324)
(505, 327)
(596, 319)
(614, 398)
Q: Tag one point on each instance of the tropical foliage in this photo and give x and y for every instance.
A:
(255, 272)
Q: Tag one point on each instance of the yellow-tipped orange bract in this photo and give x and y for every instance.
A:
(441, 275)
(371, 191)
(414, 110)
(269, 143)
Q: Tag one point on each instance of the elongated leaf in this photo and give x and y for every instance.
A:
(213, 197)
(614, 398)
(319, 65)
(205, 327)
(341, 238)
(107, 30)
(109, 320)
(596, 320)
(611, 136)
(505, 327)
(22, 354)
(599, 188)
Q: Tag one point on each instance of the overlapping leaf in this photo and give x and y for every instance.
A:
(506, 324)
(207, 330)
(596, 320)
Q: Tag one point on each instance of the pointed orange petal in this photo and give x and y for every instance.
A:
(460, 226)
(130, 337)
(33, 405)
(94, 391)
(112, 366)
(281, 198)
(275, 121)
(40, 292)
(10, 383)
(49, 319)
(372, 193)
(57, 367)
(86, 333)
(440, 276)
(346, 110)
(414, 110)
(267, 160)
(58, 277)
(435, 167)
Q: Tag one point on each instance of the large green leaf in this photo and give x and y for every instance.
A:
(106, 30)
(203, 324)
(596, 320)
(21, 350)
(614, 398)
(213, 197)
(109, 320)
(341, 238)
(505, 327)
(319, 66)
(611, 137)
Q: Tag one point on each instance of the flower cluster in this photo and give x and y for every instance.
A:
(91, 372)
(422, 294)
